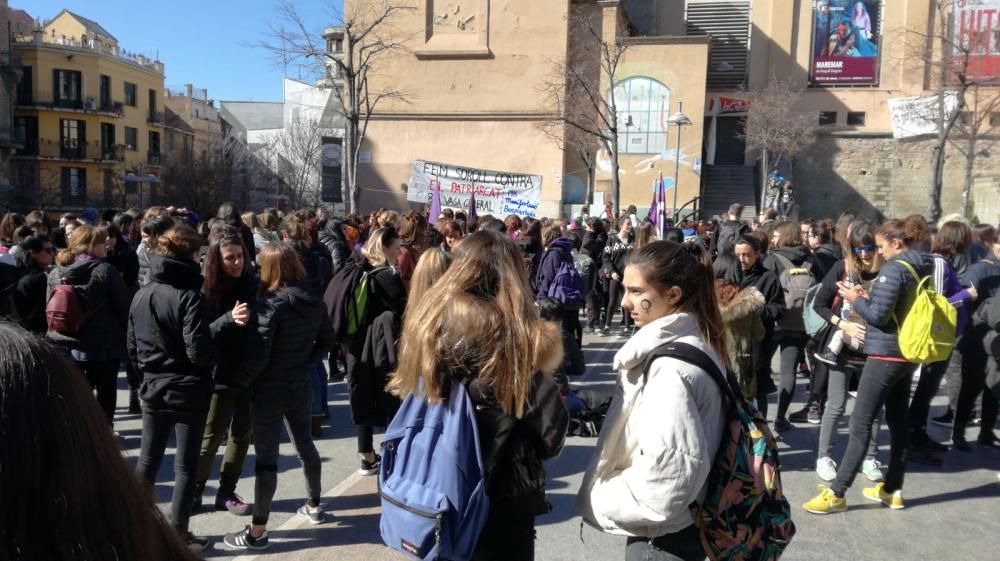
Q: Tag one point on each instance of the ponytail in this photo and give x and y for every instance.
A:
(687, 266)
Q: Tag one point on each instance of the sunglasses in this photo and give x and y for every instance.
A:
(863, 249)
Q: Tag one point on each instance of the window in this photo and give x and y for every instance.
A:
(74, 186)
(66, 88)
(131, 138)
(28, 126)
(105, 92)
(827, 118)
(856, 118)
(152, 106)
(72, 138)
(24, 88)
(154, 142)
(131, 93)
(643, 106)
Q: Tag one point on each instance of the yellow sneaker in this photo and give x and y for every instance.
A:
(826, 502)
(878, 494)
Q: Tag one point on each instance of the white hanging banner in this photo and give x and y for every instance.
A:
(498, 193)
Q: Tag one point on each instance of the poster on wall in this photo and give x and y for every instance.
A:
(845, 42)
(917, 116)
(497, 192)
(976, 28)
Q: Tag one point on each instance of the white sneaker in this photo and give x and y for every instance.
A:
(826, 468)
(872, 470)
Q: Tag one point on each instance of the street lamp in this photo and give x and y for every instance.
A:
(680, 120)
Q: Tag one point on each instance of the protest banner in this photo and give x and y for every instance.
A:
(497, 193)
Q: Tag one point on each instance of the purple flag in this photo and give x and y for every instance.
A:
(653, 214)
(435, 211)
(661, 218)
(472, 208)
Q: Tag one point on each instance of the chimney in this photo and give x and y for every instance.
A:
(189, 90)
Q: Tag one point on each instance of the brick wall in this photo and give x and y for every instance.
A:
(874, 176)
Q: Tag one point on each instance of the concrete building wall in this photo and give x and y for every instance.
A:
(877, 176)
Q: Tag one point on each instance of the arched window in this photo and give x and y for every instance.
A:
(643, 107)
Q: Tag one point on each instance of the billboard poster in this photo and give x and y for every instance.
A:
(976, 28)
(845, 42)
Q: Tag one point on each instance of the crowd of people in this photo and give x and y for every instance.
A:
(224, 328)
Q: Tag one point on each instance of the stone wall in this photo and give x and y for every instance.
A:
(883, 177)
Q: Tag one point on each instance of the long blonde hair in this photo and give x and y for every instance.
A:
(479, 320)
(430, 268)
(378, 241)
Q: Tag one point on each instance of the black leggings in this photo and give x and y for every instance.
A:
(188, 428)
(615, 293)
(103, 377)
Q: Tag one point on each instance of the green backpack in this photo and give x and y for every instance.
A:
(928, 332)
(357, 302)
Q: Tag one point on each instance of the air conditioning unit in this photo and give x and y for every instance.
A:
(90, 104)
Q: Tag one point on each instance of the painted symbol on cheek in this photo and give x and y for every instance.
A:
(646, 305)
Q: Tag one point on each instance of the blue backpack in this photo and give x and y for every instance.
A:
(432, 481)
(567, 286)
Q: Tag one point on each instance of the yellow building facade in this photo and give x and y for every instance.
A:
(91, 114)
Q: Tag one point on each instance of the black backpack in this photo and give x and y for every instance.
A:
(729, 232)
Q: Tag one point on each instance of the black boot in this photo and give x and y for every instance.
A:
(133, 402)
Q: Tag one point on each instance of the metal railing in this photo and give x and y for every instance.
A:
(72, 150)
(694, 213)
(89, 105)
(155, 118)
(153, 158)
(89, 44)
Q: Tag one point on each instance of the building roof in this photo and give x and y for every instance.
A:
(20, 21)
(256, 115)
(91, 25)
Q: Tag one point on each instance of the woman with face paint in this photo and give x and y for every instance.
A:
(663, 429)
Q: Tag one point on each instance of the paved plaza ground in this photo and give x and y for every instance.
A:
(952, 512)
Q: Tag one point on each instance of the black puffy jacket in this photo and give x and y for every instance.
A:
(104, 298)
(169, 340)
(231, 339)
(889, 301)
(332, 236)
(289, 332)
(514, 449)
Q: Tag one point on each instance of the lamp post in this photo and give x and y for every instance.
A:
(681, 120)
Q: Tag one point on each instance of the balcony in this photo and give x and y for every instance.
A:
(11, 138)
(71, 150)
(155, 118)
(154, 158)
(87, 106)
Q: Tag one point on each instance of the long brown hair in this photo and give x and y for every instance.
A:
(644, 235)
(478, 320)
(913, 232)
(66, 491)
(862, 233)
(952, 239)
(789, 235)
(80, 243)
(687, 266)
(280, 266)
(215, 285)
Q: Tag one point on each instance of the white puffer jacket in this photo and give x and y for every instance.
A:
(657, 443)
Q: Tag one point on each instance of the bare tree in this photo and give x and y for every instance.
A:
(773, 127)
(295, 156)
(582, 93)
(952, 65)
(982, 103)
(370, 35)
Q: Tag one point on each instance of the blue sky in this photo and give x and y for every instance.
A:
(200, 42)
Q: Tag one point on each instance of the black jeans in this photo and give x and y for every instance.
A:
(268, 407)
(571, 321)
(927, 388)
(506, 538)
(188, 427)
(103, 377)
(615, 293)
(882, 383)
(973, 361)
(679, 546)
(792, 345)
(595, 299)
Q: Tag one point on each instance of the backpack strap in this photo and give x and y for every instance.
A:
(695, 357)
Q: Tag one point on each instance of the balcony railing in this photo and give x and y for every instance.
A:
(88, 45)
(89, 105)
(11, 137)
(154, 158)
(155, 118)
(72, 150)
